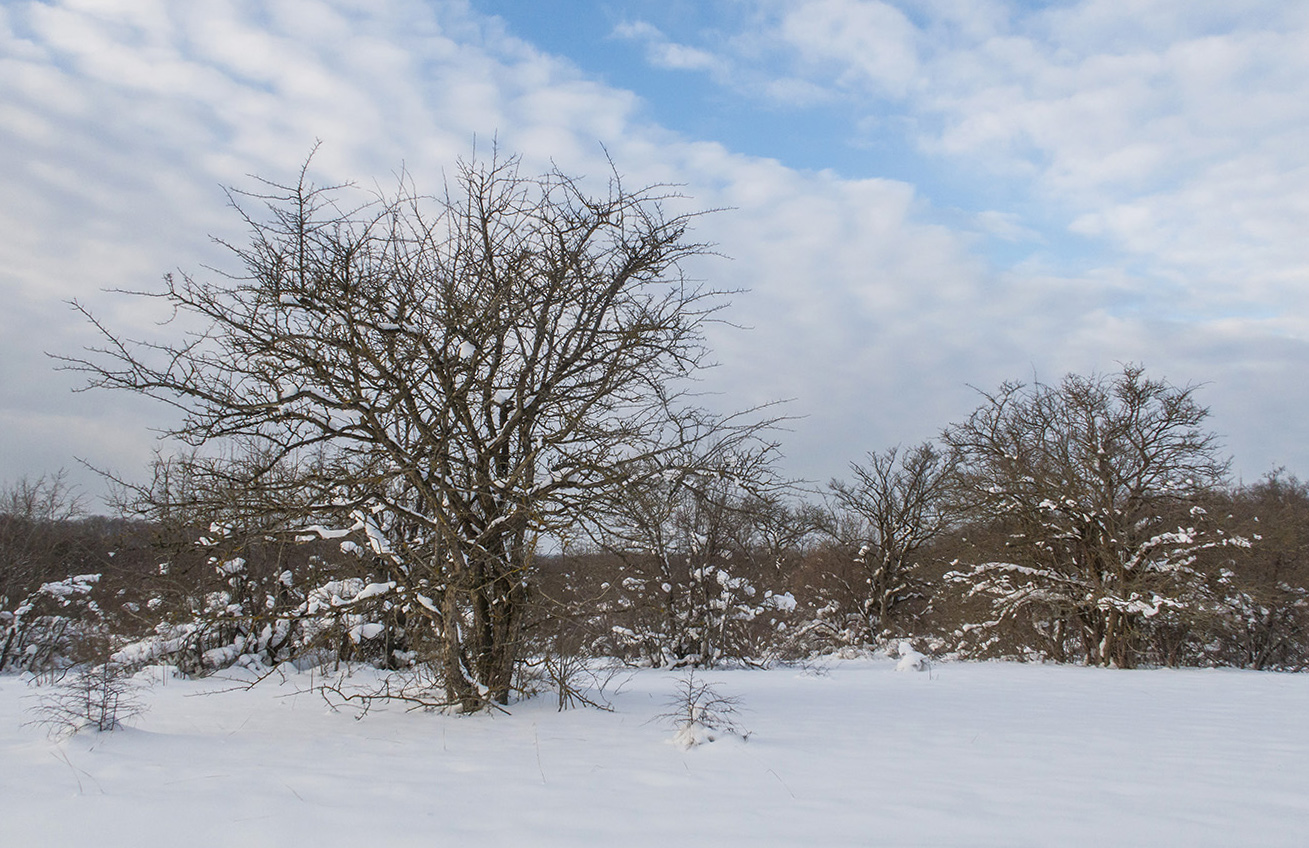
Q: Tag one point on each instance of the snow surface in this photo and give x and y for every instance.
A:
(843, 755)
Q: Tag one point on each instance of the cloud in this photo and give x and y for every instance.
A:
(1005, 225)
(1161, 143)
(1173, 131)
(870, 46)
(1149, 126)
(134, 116)
(871, 306)
(662, 53)
(732, 66)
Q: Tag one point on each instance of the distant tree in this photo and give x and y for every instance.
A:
(231, 585)
(696, 536)
(46, 609)
(1261, 615)
(898, 503)
(1097, 483)
(34, 537)
(438, 381)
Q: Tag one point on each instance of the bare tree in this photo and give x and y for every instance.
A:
(1262, 618)
(442, 380)
(47, 499)
(41, 606)
(898, 503)
(33, 518)
(1095, 482)
(691, 532)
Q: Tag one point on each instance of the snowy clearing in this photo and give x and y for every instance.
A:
(857, 754)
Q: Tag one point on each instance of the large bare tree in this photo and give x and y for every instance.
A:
(446, 378)
(1096, 483)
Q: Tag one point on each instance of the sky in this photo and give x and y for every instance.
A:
(914, 201)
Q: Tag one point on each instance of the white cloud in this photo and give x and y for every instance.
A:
(871, 44)
(123, 184)
(125, 117)
(1005, 225)
(663, 53)
(1170, 133)
(1173, 131)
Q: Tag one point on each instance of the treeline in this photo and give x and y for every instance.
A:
(1088, 522)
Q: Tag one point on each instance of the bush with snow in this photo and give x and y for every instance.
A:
(700, 713)
(49, 627)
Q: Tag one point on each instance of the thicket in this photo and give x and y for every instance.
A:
(84, 591)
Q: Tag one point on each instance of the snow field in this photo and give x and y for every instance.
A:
(965, 754)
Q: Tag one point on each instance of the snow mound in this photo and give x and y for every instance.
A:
(910, 660)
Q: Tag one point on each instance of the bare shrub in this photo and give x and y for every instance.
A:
(699, 712)
(578, 681)
(97, 697)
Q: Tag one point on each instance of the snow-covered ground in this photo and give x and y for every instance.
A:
(965, 754)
